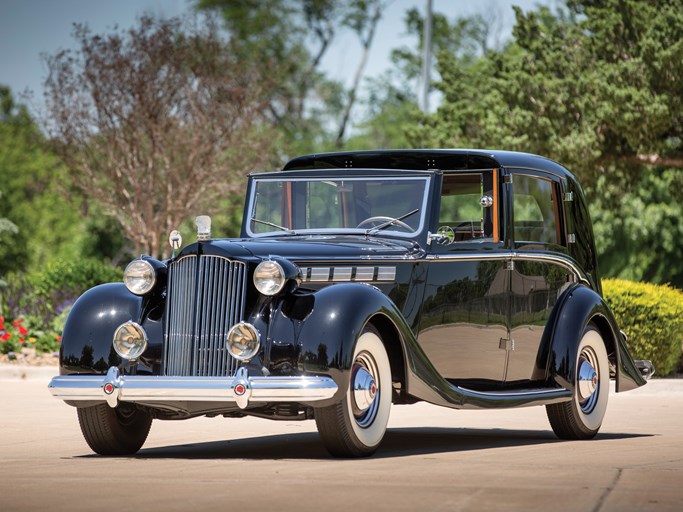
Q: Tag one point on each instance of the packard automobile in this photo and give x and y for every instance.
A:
(463, 278)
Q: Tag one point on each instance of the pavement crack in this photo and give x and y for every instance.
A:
(608, 490)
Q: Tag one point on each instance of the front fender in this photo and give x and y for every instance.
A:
(87, 337)
(319, 329)
(579, 306)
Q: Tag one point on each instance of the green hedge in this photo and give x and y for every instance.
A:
(652, 318)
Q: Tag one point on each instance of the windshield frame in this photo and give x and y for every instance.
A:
(250, 207)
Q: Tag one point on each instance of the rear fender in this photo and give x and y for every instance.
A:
(576, 308)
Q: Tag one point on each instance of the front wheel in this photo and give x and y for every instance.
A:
(119, 431)
(581, 417)
(355, 426)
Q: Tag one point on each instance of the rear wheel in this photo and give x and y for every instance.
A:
(114, 431)
(582, 417)
(355, 426)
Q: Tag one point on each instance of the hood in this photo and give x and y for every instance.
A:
(307, 248)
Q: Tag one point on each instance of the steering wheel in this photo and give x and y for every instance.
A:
(381, 219)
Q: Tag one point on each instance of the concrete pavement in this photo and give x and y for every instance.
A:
(432, 459)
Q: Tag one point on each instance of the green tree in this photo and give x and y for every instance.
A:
(39, 215)
(391, 99)
(288, 39)
(598, 86)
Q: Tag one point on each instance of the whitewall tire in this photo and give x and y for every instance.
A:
(355, 426)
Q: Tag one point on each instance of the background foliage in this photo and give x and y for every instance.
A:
(594, 84)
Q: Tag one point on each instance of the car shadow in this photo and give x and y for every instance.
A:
(398, 442)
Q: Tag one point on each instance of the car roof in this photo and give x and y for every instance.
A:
(426, 160)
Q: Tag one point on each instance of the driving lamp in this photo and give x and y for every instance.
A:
(243, 341)
(130, 340)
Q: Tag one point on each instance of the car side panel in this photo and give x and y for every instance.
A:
(464, 319)
(535, 290)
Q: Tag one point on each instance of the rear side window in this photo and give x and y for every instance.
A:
(535, 210)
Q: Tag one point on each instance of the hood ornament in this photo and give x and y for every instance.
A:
(176, 241)
(203, 227)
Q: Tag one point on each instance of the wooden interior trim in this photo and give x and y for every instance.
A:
(287, 204)
(496, 210)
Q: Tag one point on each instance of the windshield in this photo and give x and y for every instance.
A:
(350, 205)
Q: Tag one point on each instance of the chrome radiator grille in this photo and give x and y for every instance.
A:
(205, 298)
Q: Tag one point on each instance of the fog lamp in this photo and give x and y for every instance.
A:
(139, 277)
(243, 341)
(130, 340)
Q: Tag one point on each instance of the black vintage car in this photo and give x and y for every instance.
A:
(463, 278)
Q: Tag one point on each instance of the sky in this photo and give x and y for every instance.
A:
(30, 28)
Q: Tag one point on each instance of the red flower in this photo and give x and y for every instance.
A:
(21, 340)
(2, 325)
(2, 319)
(18, 322)
(59, 339)
(22, 330)
(5, 337)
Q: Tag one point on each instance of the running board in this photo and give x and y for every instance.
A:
(512, 398)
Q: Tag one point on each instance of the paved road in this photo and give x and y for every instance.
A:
(432, 459)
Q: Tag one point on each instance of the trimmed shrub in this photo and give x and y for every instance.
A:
(652, 318)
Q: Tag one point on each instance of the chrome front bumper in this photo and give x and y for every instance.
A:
(240, 389)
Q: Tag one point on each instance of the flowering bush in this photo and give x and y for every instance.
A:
(18, 334)
(34, 307)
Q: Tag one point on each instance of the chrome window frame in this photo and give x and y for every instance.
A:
(346, 231)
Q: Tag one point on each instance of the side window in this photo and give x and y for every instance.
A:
(461, 206)
(535, 210)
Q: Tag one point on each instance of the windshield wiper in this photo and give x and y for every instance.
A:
(277, 226)
(392, 221)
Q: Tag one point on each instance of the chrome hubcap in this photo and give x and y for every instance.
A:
(588, 380)
(364, 389)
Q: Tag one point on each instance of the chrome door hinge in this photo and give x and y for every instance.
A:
(569, 197)
(571, 238)
(506, 344)
(507, 178)
(510, 265)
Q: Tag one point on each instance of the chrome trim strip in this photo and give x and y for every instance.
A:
(347, 274)
(564, 261)
(386, 273)
(342, 274)
(365, 274)
(139, 388)
(320, 274)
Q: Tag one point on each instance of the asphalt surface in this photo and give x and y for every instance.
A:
(431, 459)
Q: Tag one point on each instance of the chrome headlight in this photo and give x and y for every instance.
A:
(130, 340)
(269, 277)
(139, 277)
(243, 341)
